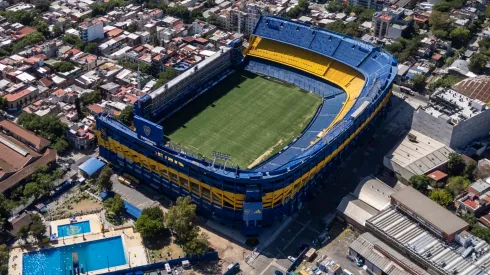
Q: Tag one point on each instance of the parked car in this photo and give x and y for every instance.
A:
(291, 258)
(277, 272)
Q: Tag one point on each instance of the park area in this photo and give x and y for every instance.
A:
(246, 116)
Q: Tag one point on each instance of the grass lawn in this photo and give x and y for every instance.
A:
(246, 116)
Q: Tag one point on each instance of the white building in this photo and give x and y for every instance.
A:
(91, 30)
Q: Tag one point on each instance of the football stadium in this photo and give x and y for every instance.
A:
(249, 133)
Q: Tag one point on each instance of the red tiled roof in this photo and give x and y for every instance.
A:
(114, 32)
(48, 157)
(37, 141)
(23, 32)
(95, 108)
(46, 82)
(16, 96)
(59, 93)
(437, 175)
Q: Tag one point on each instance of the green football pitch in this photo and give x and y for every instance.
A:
(246, 116)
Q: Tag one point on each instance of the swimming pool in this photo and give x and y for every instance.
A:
(73, 229)
(91, 256)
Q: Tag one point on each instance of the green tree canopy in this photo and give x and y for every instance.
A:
(419, 82)
(455, 164)
(90, 48)
(126, 115)
(115, 205)
(478, 62)
(5, 208)
(28, 40)
(4, 259)
(43, 28)
(441, 196)
(420, 182)
(63, 66)
(151, 223)
(457, 185)
(37, 228)
(23, 233)
(57, 31)
(104, 182)
(164, 77)
(73, 40)
(439, 20)
(32, 190)
(460, 36)
(49, 126)
(470, 171)
(91, 97)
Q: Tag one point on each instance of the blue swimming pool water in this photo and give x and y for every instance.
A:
(73, 229)
(91, 255)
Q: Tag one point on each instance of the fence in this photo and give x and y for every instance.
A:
(211, 256)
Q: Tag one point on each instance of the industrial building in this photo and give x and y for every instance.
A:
(453, 118)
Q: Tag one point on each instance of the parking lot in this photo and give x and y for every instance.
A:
(132, 195)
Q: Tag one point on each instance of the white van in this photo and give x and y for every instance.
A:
(168, 269)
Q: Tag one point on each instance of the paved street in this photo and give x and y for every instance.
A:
(365, 160)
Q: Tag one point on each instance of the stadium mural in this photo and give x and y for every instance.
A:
(247, 136)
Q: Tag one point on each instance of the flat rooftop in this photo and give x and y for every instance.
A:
(429, 210)
(421, 155)
(453, 258)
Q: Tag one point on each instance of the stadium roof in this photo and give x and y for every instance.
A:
(429, 210)
(91, 166)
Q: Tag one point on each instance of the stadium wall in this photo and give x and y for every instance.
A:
(245, 198)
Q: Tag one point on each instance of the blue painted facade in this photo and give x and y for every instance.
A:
(231, 190)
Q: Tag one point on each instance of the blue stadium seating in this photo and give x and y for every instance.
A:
(350, 53)
(325, 43)
(296, 77)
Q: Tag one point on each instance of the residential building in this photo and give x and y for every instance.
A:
(91, 30)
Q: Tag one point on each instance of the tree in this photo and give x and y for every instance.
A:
(441, 196)
(455, 164)
(164, 77)
(115, 205)
(126, 115)
(32, 190)
(460, 36)
(470, 171)
(90, 48)
(442, 6)
(133, 27)
(4, 259)
(478, 62)
(73, 40)
(104, 182)
(91, 97)
(335, 6)
(3, 104)
(28, 40)
(49, 126)
(197, 246)
(43, 28)
(419, 82)
(38, 229)
(181, 217)
(23, 233)
(457, 185)
(487, 11)
(5, 208)
(420, 182)
(366, 15)
(63, 66)
(57, 31)
(151, 223)
(78, 106)
(439, 20)
(60, 145)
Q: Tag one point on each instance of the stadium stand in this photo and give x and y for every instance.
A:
(353, 77)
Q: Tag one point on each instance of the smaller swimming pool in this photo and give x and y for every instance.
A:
(73, 229)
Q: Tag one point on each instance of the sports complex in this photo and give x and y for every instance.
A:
(247, 134)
